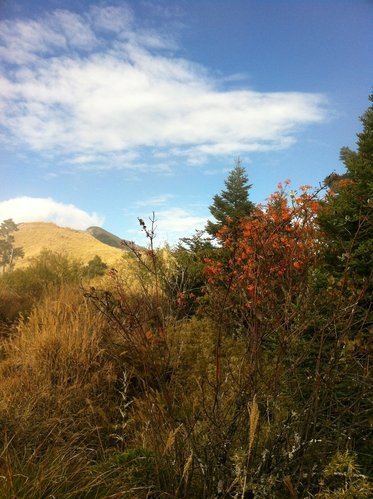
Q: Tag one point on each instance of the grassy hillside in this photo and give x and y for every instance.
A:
(35, 236)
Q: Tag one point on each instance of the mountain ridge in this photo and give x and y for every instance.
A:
(105, 236)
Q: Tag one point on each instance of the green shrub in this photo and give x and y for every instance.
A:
(22, 288)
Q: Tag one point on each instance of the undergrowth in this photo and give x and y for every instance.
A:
(256, 385)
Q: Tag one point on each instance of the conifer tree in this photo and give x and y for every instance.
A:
(347, 215)
(347, 224)
(233, 203)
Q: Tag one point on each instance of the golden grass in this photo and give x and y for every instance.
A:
(33, 237)
(56, 390)
(60, 346)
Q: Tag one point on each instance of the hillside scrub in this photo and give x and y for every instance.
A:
(256, 393)
(22, 288)
(233, 371)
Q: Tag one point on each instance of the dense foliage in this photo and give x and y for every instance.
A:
(347, 214)
(238, 369)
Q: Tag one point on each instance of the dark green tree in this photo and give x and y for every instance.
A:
(95, 267)
(189, 275)
(233, 203)
(8, 252)
(346, 218)
(346, 221)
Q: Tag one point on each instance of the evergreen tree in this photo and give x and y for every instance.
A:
(190, 255)
(233, 203)
(346, 221)
(347, 215)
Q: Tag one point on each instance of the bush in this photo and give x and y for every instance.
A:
(95, 267)
(22, 288)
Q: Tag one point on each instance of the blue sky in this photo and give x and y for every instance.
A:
(112, 110)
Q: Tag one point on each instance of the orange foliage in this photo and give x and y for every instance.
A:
(345, 182)
(276, 246)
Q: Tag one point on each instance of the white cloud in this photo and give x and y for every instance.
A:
(112, 88)
(77, 33)
(28, 209)
(23, 41)
(179, 221)
(171, 224)
(155, 201)
(112, 19)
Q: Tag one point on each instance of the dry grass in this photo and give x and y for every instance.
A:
(35, 236)
(57, 395)
(127, 402)
(62, 335)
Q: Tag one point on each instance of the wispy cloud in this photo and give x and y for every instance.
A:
(28, 209)
(155, 201)
(93, 86)
(170, 225)
(178, 222)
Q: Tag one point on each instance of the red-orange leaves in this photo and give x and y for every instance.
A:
(273, 249)
(345, 182)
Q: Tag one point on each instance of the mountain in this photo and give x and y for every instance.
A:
(33, 237)
(112, 240)
(105, 237)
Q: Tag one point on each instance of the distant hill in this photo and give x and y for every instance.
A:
(112, 240)
(105, 237)
(33, 237)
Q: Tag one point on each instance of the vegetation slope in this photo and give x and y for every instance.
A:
(33, 237)
(238, 369)
(105, 237)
